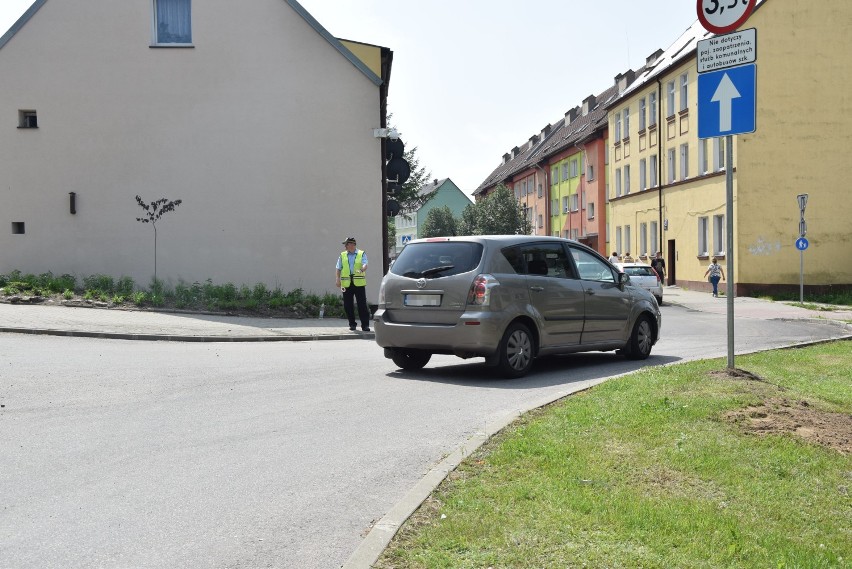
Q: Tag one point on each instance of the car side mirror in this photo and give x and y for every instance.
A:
(623, 279)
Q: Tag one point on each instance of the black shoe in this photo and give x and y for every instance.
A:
(365, 328)
(352, 327)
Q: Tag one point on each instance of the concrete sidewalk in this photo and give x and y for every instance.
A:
(193, 327)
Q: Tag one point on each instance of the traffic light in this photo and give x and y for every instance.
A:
(397, 170)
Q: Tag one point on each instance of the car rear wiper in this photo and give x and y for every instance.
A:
(436, 270)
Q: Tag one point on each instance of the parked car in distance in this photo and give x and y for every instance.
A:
(644, 276)
(509, 299)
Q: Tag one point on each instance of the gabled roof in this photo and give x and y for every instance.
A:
(562, 136)
(335, 43)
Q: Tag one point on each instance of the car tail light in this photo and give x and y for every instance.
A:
(480, 290)
(382, 295)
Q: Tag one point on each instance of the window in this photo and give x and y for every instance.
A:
(618, 182)
(684, 161)
(643, 166)
(626, 114)
(564, 171)
(590, 211)
(541, 220)
(718, 154)
(641, 114)
(670, 98)
(672, 164)
(718, 234)
(554, 206)
(554, 176)
(592, 268)
(575, 234)
(617, 127)
(590, 172)
(27, 119)
(626, 179)
(565, 204)
(702, 236)
(18, 228)
(702, 156)
(654, 247)
(652, 108)
(626, 239)
(574, 202)
(606, 153)
(172, 22)
(684, 84)
(654, 170)
(573, 172)
(618, 246)
(540, 191)
(643, 238)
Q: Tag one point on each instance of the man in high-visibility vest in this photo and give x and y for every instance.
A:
(352, 280)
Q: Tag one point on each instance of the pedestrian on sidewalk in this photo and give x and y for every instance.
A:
(613, 258)
(716, 272)
(659, 265)
(352, 281)
(628, 258)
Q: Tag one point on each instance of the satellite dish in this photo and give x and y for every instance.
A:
(394, 149)
(393, 208)
(398, 170)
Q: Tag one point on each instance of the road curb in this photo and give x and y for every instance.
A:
(185, 338)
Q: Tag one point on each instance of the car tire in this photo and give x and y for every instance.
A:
(411, 360)
(515, 352)
(641, 339)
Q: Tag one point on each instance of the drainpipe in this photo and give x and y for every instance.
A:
(660, 163)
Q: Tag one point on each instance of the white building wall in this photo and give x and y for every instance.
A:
(263, 129)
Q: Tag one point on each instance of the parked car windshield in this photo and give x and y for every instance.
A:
(639, 271)
(435, 259)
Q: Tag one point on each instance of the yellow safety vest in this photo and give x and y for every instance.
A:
(358, 279)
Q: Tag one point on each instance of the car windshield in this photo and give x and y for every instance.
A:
(434, 259)
(639, 271)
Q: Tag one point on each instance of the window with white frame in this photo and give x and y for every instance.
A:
(565, 204)
(554, 206)
(540, 191)
(702, 236)
(653, 176)
(540, 220)
(718, 234)
(574, 202)
(654, 247)
(618, 182)
(564, 171)
(172, 22)
(575, 234)
(672, 165)
(718, 154)
(627, 241)
(702, 156)
(626, 179)
(684, 87)
(643, 177)
(643, 238)
(670, 98)
(626, 115)
(566, 234)
(617, 127)
(27, 119)
(573, 172)
(554, 176)
(642, 111)
(684, 161)
(590, 172)
(590, 210)
(618, 246)
(652, 108)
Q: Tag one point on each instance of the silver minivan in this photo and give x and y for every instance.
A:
(509, 299)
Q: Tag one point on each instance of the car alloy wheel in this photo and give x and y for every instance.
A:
(516, 351)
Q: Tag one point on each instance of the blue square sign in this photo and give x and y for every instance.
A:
(727, 101)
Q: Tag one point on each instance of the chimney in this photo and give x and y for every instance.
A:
(515, 152)
(572, 114)
(652, 59)
(436, 181)
(546, 131)
(589, 104)
(623, 80)
(533, 141)
(506, 157)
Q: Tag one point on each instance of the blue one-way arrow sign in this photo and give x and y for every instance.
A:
(727, 101)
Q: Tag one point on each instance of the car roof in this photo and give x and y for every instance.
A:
(501, 240)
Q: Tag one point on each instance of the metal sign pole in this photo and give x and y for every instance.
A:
(801, 276)
(729, 251)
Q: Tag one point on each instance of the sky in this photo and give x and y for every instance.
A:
(473, 78)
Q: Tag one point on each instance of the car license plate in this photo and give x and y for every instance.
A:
(422, 300)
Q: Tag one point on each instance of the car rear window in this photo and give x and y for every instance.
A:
(639, 271)
(433, 259)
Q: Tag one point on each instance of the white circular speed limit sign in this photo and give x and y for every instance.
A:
(723, 16)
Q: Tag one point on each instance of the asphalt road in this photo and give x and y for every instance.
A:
(161, 454)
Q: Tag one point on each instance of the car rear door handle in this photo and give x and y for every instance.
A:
(590, 292)
(537, 288)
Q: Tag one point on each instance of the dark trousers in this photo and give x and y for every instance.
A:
(357, 293)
